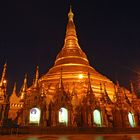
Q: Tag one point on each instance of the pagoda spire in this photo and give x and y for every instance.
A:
(70, 14)
(14, 93)
(71, 40)
(118, 87)
(25, 83)
(101, 92)
(60, 86)
(120, 96)
(107, 98)
(134, 96)
(3, 86)
(4, 73)
(89, 89)
(15, 88)
(36, 77)
(71, 51)
(23, 88)
(14, 97)
(131, 87)
(126, 97)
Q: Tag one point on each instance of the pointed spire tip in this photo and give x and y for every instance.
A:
(36, 77)
(70, 14)
(14, 88)
(5, 65)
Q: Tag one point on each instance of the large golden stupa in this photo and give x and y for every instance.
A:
(71, 93)
(73, 63)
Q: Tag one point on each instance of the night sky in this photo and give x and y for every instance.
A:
(32, 33)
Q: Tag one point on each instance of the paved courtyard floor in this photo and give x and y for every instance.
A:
(72, 137)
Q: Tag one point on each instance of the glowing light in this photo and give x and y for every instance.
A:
(80, 76)
(131, 119)
(4, 81)
(97, 117)
(63, 116)
(35, 115)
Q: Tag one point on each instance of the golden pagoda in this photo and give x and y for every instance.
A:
(75, 67)
(72, 93)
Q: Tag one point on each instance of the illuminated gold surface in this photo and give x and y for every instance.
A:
(73, 61)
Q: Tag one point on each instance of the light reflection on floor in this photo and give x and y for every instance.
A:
(71, 137)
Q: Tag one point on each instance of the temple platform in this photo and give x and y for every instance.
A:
(68, 130)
